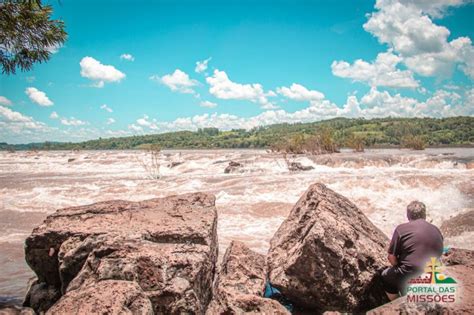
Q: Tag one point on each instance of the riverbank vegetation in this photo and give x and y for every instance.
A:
(315, 137)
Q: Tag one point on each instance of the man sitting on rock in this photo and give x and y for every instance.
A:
(413, 244)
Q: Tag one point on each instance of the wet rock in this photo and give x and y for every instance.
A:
(167, 247)
(240, 284)
(233, 167)
(459, 265)
(174, 164)
(297, 166)
(41, 296)
(458, 224)
(326, 255)
(16, 310)
(105, 297)
(71, 160)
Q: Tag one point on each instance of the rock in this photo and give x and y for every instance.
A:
(459, 265)
(326, 256)
(167, 247)
(105, 297)
(174, 164)
(240, 284)
(41, 296)
(233, 167)
(458, 224)
(71, 160)
(16, 310)
(297, 166)
(457, 256)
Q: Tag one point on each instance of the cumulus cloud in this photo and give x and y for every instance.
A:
(371, 105)
(17, 123)
(127, 57)
(135, 128)
(146, 122)
(54, 115)
(222, 87)
(110, 121)
(207, 104)
(423, 45)
(106, 108)
(72, 122)
(38, 97)
(434, 8)
(382, 72)
(94, 70)
(201, 66)
(298, 92)
(178, 81)
(5, 101)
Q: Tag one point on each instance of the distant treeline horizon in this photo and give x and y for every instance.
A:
(377, 132)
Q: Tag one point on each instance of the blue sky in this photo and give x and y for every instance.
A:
(130, 67)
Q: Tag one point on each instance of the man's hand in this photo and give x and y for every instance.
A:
(392, 259)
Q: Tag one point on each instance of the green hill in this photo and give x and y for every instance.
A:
(374, 132)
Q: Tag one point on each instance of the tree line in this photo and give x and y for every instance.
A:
(327, 135)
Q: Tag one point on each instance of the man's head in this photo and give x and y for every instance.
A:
(416, 210)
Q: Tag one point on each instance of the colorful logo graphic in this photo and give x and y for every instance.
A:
(432, 286)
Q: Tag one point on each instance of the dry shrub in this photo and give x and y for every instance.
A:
(413, 142)
(356, 142)
(151, 163)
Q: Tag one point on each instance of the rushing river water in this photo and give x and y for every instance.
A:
(251, 203)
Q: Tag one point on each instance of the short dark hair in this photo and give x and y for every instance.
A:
(416, 210)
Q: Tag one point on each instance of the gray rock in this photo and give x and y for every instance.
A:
(168, 247)
(233, 167)
(326, 255)
(240, 284)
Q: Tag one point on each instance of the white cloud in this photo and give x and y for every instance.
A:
(178, 81)
(435, 8)
(382, 72)
(422, 45)
(208, 104)
(94, 70)
(222, 87)
(38, 97)
(201, 66)
(298, 92)
(127, 57)
(5, 101)
(72, 122)
(17, 123)
(30, 79)
(135, 128)
(106, 108)
(54, 115)
(373, 104)
(145, 122)
(110, 121)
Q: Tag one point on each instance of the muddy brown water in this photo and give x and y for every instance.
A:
(251, 203)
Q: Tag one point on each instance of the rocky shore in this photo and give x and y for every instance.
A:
(159, 256)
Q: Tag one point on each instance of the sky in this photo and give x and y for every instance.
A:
(142, 67)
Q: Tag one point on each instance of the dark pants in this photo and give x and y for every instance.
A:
(395, 279)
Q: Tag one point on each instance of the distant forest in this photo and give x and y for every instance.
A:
(371, 132)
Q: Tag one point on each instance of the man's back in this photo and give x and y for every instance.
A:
(413, 243)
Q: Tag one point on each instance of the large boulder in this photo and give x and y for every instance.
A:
(240, 284)
(326, 256)
(163, 250)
